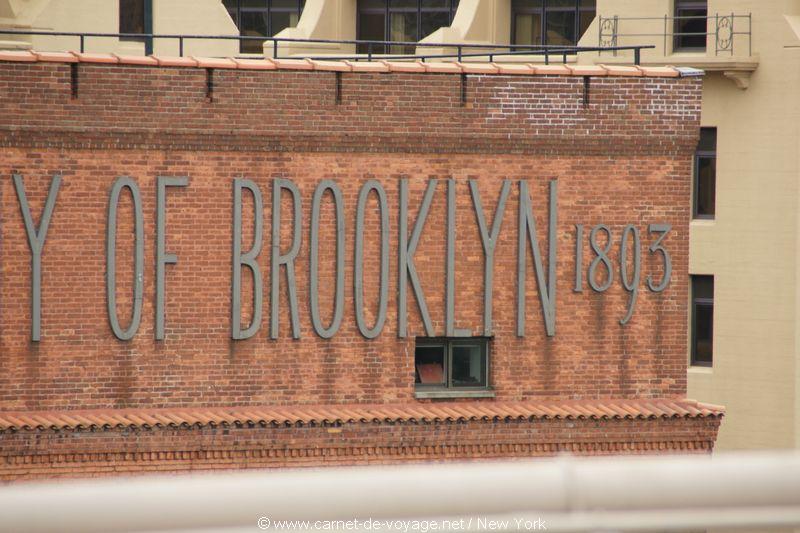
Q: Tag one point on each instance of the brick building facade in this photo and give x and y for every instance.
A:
(583, 358)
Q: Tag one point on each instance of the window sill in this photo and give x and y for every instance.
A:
(452, 394)
(697, 369)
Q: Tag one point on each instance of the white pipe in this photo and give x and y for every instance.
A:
(570, 494)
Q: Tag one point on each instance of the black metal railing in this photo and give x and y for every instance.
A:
(373, 48)
(724, 29)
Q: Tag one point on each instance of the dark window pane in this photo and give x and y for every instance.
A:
(429, 365)
(131, 16)
(706, 186)
(404, 4)
(560, 28)
(283, 19)
(372, 4)
(371, 27)
(704, 338)
(561, 3)
(284, 4)
(588, 3)
(260, 4)
(403, 27)
(469, 366)
(690, 21)
(708, 140)
(437, 4)
(586, 18)
(702, 320)
(253, 23)
(528, 29)
(231, 4)
(430, 22)
(527, 4)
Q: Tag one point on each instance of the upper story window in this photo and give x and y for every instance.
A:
(451, 365)
(702, 350)
(132, 15)
(401, 20)
(705, 174)
(262, 18)
(690, 25)
(551, 22)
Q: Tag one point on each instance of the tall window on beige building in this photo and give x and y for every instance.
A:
(705, 174)
(136, 16)
(551, 22)
(702, 349)
(401, 20)
(690, 25)
(262, 18)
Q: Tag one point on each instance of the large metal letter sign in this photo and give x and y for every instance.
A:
(358, 268)
(406, 251)
(489, 241)
(36, 238)
(111, 258)
(547, 287)
(450, 311)
(313, 276)
(287, 259)
(162, 257)
(248, 259)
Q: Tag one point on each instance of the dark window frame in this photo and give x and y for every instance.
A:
(696, 303)
(698, 156)
(517, 8)
(678, 41)
(448, 343)
(387, 10)
(267, 10)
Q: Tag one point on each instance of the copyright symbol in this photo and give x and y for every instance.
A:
(263, 523)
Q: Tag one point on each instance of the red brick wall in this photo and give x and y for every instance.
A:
(71, 453)
(623, 158)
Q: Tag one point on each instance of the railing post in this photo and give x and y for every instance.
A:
(716, 33)
(665, 34)
(274, 48)
(369, 51)
(637, 56)
(459, 53)
(180, 46)
(82, 38)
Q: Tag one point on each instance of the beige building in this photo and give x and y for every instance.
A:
(744, 336)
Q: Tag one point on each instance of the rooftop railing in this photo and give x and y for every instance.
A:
(724, 28)
(373, 49)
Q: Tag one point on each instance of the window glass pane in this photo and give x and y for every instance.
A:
(706, 185)
(431, 22)
(371, 4)
(429, 365)
(527, 4)
(427, 4)
(561, 3)
(231, 4)
(686, 22)
(586, 18)
(131, 16)
(284, 4)
(528, 29)
(560, 28)
(408, 4)
(469, 368)
(708, 140)
(260, 4)
(588, 3)
(283, 19)
(371, 27)
(703, 287)
(253, 23)
(403, 27)
(704, 338)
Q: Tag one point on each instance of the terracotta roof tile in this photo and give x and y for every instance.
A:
(422, 412)
(254, 64)
(136, 60)
(335, 66)
(21, 55)
(215, 62)
(96, 58)
(345, 66)
(56, 57)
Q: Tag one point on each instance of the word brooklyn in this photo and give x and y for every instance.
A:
(599, 275)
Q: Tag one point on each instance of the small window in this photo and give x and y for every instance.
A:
(454, 364)
(705, 174)
(690, 25)
(400, 20)
(702, 320)
(551, 22)
(262, 18)
(132, 16)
